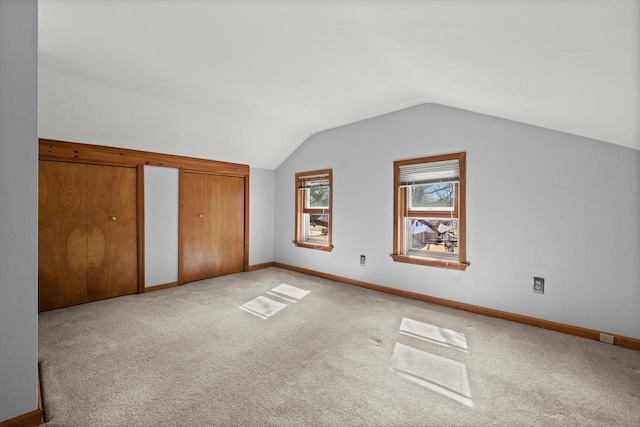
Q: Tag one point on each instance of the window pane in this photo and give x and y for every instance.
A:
(439, 196)
(316, 228)
(317, 197)
(429, 236)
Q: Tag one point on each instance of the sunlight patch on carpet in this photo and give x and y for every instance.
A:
(439, 374)
(433, 334)
(263, 307)
(290, 291)
(280, 297)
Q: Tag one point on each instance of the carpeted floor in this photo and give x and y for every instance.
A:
(244, 350)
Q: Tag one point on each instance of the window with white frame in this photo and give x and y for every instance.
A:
(429, 211)
(313, 210)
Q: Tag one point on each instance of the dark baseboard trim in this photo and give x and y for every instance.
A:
(160, 287)
(631, 343)
(260, 266)
(30, 419)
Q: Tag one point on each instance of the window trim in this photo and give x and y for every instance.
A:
(399, 210)
(301, 209)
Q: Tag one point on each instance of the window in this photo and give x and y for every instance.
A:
(429, 211)
(313, 210)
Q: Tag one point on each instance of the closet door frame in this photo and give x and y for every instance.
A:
(74, 152)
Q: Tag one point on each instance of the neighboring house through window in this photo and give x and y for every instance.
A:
(429, 211)
(313, 210)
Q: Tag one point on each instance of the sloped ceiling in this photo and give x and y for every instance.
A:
(249, 81)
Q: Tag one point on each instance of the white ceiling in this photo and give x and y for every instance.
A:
(249, 81)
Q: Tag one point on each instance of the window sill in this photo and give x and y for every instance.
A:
(451, 265)
(326, 248)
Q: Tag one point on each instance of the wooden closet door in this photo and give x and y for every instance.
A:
(62, 235)
(213, 226)
(227, 208)
(111, 232)
(197, 247)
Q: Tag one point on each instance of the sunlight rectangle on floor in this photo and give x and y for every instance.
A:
(442, 375)
(290, 291)
(434, 334)
(263, 307)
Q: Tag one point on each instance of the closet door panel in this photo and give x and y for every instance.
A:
(62, 235)
(198, 246)
(213, 225)
(111, 232)
(227, 208)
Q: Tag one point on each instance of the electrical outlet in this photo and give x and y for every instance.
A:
(606, 338)
(538, 285)
(363, 259)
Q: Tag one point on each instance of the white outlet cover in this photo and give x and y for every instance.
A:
(606, 338)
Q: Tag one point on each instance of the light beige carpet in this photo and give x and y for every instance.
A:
(245, 350)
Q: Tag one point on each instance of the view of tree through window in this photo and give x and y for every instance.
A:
(432, 196)
(318, 197)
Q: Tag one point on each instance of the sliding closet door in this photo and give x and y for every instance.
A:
(62, 235)
(213, 225)
(228, 210)
(198, 247)
(111, 235)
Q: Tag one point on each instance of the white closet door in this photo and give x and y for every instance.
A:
(161, 206)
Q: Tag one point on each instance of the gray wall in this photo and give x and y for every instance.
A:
(161, 211)
(261, 213)
(18, 207)
(539, 203)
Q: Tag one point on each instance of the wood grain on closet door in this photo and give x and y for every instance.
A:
(213, 225)
(111, 232)
(198, 245)
(62, 234)
(227, 207)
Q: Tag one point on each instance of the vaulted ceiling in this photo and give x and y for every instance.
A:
(248, 81)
